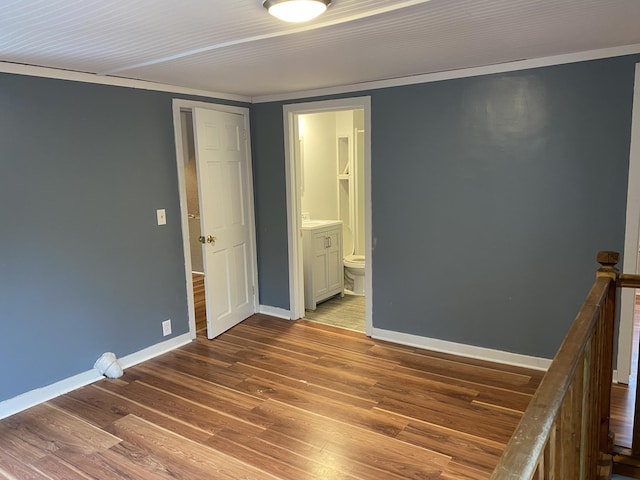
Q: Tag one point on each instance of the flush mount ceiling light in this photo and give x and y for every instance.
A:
(296, 10)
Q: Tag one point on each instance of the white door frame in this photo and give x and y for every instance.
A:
(631, 238)
(294, 227)
(179, 105)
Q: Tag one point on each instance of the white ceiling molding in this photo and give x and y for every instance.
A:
(43, 72)
(238, 48)
(453, 74)
(395, 82)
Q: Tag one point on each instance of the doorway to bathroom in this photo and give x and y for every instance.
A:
(328, 197)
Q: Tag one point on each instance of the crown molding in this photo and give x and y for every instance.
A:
(46, 72)
(454, 74)
(35, 71)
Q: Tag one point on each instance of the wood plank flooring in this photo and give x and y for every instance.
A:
(199, 299)
(275, 399)
(623, 397)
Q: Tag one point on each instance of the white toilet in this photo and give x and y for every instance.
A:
(353, 264)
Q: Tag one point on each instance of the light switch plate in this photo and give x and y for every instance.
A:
(162, 216)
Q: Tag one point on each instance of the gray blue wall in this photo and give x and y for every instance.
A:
(491, 196)
(270, 198)
(84, 268)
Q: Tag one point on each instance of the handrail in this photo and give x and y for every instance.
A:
(627, 280)
(565, 427)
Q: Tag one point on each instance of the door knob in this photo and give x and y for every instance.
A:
(208, 239)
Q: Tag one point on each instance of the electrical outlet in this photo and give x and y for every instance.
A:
(166, 328)
(162, 216)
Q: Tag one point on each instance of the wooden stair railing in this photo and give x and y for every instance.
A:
(565, 429)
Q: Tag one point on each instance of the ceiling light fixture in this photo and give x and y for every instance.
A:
(296, 10)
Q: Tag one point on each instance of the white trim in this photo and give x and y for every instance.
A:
(296, 292)
(155, 350)
(463, 350)
(184, 221)
(631, 240)
(252, 213)
(45, 72)
(34, 71)
(368, 223)
(40, 395)
(275, 312)
(453, 74)
(178, 105)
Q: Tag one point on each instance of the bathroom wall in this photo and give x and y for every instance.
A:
(344, 163)
(319, 192)
(358, 124)
(321, 131)
(344, 123)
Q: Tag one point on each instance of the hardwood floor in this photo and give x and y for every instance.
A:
(199, 302)
(623, 397)
(275, 399)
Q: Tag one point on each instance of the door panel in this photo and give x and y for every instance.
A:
(223, 169)
(217, 275)
(215, 185)
(320, 274)
(241, 295)
(236, 201)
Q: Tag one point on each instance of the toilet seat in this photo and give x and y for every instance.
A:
(354, 261)
(354, 265)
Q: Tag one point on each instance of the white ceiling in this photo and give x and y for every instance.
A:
(236, 47)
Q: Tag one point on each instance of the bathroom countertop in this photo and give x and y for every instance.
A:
(314, 224)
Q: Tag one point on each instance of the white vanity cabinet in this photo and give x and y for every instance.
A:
(323, 271)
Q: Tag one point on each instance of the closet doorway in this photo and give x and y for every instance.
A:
(212, 148)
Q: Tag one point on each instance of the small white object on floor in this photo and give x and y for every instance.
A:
(109, 366)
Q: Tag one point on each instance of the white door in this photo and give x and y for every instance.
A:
(224, 183)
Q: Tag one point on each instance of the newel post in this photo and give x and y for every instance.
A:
(608, 261)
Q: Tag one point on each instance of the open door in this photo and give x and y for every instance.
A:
(224, 182)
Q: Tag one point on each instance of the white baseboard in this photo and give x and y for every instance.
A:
(40, 395)
(615, 378)
(275, 312)
(462, 349)
(155, 350)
